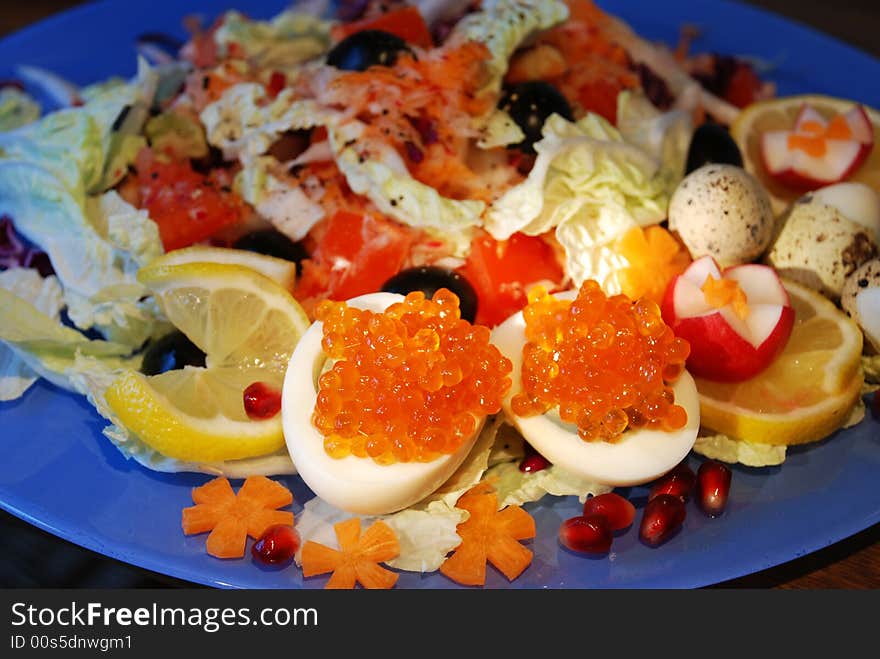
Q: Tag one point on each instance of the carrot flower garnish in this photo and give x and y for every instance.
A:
(358, 557)
(489, 535)
(232, 518)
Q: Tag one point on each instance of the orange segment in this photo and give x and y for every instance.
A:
(654, 257)
(230, 518)
(489, 535)
(357, 559)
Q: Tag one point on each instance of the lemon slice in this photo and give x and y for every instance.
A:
(279, 270)
(780, 114)
(806, 393)
(248, 326)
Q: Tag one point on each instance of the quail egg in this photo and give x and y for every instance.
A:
(724, 212)
(860, 299)
(818, 247)
(856, 201)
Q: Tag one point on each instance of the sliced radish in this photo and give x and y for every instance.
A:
(726, 346)
(860, 125)
(818, 152)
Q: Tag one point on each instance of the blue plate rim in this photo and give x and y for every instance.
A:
(845, 529)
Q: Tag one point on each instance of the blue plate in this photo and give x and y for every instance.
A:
(59, 473)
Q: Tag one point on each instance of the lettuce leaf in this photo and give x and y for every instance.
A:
(51, 176)
(871, 368)
(515, 487)
(177, 133)
(289, 38)
(666, 136)
(16, 109)
(503, 25)
(244, 126)
(377, 171)
(591, 186)
(95, 244)
(726, 449)
(16, 376)
(45, 345)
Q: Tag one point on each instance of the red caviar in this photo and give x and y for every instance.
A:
(407, 385)
(605, 362)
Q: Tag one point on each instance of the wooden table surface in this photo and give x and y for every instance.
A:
(853, 563)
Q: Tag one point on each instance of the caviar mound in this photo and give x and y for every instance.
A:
(408, 384)
(605, 362)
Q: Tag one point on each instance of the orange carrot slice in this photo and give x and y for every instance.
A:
(489, 535)
(358, 557)
(231, 518)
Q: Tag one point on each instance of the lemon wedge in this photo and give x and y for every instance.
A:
(247, 325)
(279, 270)
(806, 393)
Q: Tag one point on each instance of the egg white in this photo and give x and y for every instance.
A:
(357, 485)
(638, 457)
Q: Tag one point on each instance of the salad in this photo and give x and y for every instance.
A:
(440, 262)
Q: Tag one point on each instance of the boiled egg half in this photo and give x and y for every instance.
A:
(638, 457)
(356, 485)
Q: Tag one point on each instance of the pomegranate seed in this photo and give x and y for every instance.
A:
(619, 512)
(261, 401)
(679, 482)
(663, 516)
(713, 487)
(587, 534)
(534, 462)
(277, 545)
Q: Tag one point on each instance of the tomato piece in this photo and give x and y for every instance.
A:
(188, 206)
(600, 96)
(503, 271)
(407, 23)
(355, 254)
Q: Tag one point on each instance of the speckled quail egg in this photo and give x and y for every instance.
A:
(860, 299)
(818, 247)
(856, 201)
(724, 212)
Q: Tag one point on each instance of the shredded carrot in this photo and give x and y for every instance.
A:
(489, 535)
(231, 518)
(357, 559)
